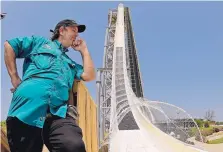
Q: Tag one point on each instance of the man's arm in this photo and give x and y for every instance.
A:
(19, 47)
(89, 70)
(10, 61)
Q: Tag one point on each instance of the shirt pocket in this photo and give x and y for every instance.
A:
(44, 58)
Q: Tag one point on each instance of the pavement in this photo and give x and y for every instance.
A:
(210, 147)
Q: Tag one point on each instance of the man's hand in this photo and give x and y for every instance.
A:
(15, 83)
(79, 45)
(89, 70)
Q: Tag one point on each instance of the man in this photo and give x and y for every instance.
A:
(38, 111)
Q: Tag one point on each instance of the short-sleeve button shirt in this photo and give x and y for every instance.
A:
(48, 75)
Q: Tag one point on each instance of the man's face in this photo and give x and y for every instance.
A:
(69, 34)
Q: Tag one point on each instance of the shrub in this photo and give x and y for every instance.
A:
(207, 132)
(216, 129)
(206, 124)
(199, 122)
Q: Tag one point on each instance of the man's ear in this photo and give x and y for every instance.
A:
(61, 30)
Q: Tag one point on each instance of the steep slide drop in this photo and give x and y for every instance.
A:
(153, 119)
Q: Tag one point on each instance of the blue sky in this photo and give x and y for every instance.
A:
(180, 46)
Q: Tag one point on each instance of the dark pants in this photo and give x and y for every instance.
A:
(58, 134)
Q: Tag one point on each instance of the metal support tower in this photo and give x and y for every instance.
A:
(104, 75)
(105, 78)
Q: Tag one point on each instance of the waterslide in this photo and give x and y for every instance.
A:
(150, 116)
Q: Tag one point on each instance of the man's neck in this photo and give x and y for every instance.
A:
(61, 41)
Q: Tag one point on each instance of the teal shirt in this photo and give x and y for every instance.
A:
(48, 75)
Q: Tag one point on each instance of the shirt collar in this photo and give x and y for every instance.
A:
(60, 46)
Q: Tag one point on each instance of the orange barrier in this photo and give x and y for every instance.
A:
(87, 116)
(4, 142)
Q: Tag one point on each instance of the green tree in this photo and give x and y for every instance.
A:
(199, 122)
(3, 125)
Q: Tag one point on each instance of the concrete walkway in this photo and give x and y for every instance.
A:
(210, 147)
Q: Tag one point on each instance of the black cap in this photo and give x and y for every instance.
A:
(68, 22)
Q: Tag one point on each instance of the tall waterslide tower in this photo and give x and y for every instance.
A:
(105, 74)
(127, 121)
